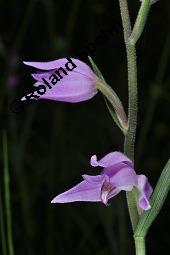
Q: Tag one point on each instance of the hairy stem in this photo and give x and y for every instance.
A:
(132, 111)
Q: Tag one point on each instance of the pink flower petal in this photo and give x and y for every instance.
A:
(145, 190)
(71, 89)
(110, 159)
(39, 76)
(76, 85)
(94, 179)
(55, 64)
(84, 191)
(125, 177)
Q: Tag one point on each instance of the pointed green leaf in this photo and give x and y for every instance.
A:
(113, 115)
(96, 69)
(159, 195)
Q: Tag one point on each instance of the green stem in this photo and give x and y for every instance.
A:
(132, 112)
(7, 196)
(125, 19)
(140, 245)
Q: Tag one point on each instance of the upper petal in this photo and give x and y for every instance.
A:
(95, 179)
(38, 76)
(84, 191)
(110, 159)
(81, 67)
(124, 178)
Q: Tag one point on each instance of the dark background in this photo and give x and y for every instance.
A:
(50, 143)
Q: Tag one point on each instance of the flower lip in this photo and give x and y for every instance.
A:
(106, 189)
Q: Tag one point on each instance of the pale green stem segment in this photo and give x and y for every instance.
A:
(132, 111)
(140, 21)
(140, 245)
(7, 196)
(111, 96)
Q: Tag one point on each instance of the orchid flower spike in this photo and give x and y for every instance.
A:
(67, 80)
(118, 174)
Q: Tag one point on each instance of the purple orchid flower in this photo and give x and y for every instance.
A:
(67, 80)
(118, 174)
